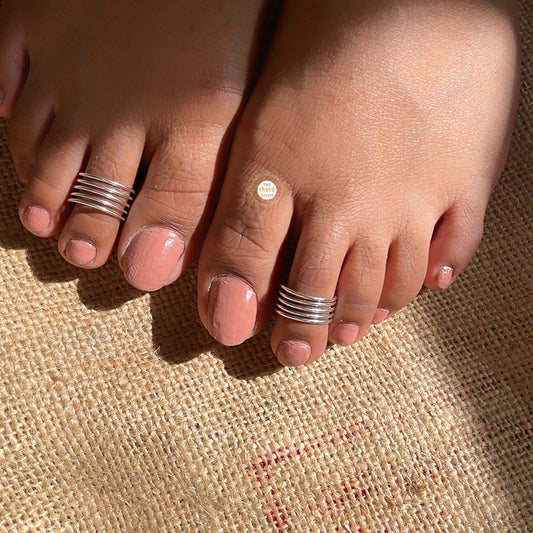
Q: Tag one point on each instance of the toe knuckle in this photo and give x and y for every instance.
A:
(315, 276)
(41, 182)
(413, 265)
(171, 182)
(236, 236)
(367, 265)
(402, 293)
(226, 95)
(318, 268)
(369, 257)
(470, 217)
(177, 191)
(59, 139)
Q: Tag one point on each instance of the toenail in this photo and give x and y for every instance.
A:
(444, 277)
(24, 171)
(380, 315)
(232, 310)
(293, 353)
(152, 258)
(80, 252)
(345, 333)
(36, 218)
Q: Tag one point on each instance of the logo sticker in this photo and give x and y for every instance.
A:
(267, 190)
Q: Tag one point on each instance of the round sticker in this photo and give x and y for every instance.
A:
(267, 190)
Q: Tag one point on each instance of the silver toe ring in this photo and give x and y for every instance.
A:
(102, 194)
(297, 306)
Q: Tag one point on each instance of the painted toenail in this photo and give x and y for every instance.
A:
(231, 311)
(24, 171)
(380, 315)
(444, 277)
(152, 257)
(293, 353)
(36, 218)
(80, 252)
(345, 333)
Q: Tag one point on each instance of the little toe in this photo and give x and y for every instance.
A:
(454, 243)
(359, 290)
(89, 234)
(315, 272)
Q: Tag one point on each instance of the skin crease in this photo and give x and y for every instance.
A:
(384, 125)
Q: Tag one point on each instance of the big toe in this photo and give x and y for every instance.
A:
(241, 256)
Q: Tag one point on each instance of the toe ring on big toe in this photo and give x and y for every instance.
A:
(110, 197)
(301, 307)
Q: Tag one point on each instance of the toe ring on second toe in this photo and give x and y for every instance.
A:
(108, 196)
(301, 307)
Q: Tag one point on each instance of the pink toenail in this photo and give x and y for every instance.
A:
(444, 277)
(80, 252)
(36, 218)
(231, 311)
(380, 315)
(345, 333)
(152, 257)
(293, 353)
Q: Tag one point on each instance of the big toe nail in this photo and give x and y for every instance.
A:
(232, 310)
(152, 257)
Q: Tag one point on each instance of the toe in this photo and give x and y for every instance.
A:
(454, 243)
(406, 267)
(167, 221)
(359, 290)
(89, 235)
(315, 272)
(32, 119)
(42, 207)
(240, 258)
(13, 66)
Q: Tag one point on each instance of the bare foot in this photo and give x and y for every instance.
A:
(384, 126)
(104, 86)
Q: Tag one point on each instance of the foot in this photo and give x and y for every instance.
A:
(107, 86)
(384, 128)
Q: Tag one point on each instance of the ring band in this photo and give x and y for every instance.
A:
(102, 194)
(303, 308)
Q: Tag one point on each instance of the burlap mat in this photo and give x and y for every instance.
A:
(119, 413)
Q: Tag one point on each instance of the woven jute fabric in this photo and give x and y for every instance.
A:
(118, 412)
